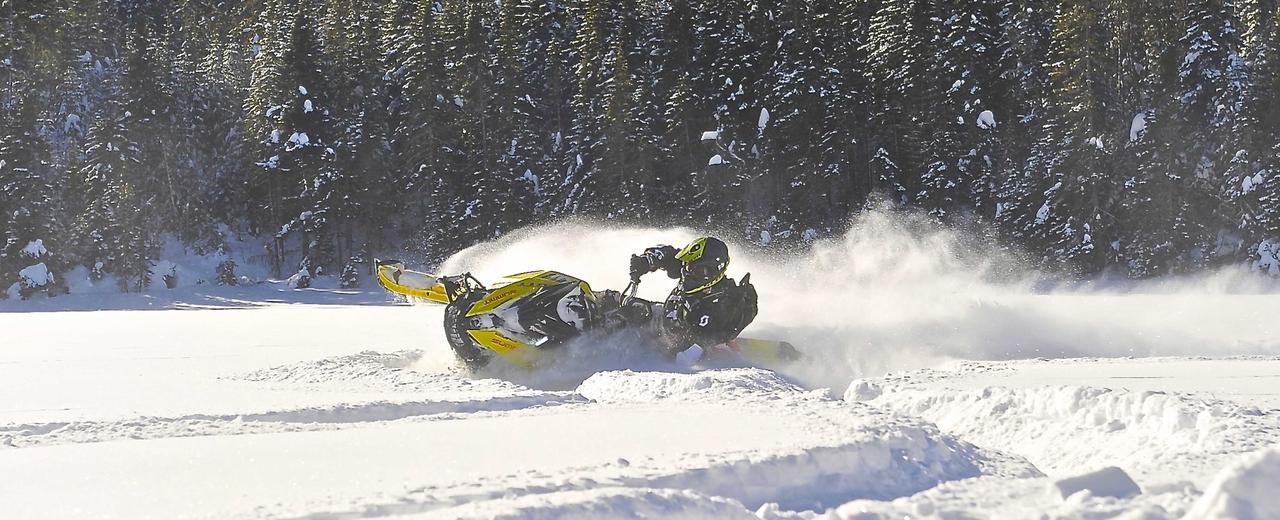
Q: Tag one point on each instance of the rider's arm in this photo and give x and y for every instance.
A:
(662, 258)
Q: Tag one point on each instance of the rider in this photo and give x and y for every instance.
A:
(707, 308)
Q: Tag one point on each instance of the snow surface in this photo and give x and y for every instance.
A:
(1246, 489)
(715, 159)
(932, 386)
(1106, 482)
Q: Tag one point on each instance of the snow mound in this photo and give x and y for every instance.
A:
(992, 497)
(1106, 482)
(1243, 490)
(1062, 429)
(628, 386)
(602, 503)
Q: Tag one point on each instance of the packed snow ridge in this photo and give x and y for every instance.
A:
(1159, 437)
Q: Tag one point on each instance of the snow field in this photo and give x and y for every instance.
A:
(252, 421)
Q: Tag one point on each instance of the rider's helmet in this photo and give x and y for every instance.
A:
(703, 264)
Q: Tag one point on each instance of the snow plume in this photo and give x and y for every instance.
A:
(898, 292)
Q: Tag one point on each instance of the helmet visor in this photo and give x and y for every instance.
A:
(696, 276)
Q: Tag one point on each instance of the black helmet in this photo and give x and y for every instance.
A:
(705, 261)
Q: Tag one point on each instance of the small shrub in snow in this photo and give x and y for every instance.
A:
(300, 279)
(226, 274)
(32, 279)
(350, 276)
(1268, 257)
(170, 278)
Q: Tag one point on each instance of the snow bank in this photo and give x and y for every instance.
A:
(1246, 489)
(991, 497)
(627, 386)
(1158, 436)
(1106, 482)
(602, 503)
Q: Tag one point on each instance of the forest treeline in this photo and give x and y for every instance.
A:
(1130, 136)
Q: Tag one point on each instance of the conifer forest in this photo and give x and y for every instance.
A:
(1135, 137)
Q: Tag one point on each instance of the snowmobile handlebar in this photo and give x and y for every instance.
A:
(629, 292)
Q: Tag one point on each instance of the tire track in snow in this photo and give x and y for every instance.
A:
(304, 419)
(436, 395)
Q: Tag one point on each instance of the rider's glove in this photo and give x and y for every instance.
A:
(640, 265)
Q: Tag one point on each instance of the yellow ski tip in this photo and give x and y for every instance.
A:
(395, 278)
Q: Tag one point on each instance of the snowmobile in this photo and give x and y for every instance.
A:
(528, 314)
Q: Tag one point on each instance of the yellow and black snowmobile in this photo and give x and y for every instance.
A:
(528, 314)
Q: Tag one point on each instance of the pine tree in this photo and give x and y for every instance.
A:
(291, 97)
(27, 215)
(972, 72)
(361, 141)
(727, 68)
(1162, 205)
(793, 183)
(1253, 182)
(901, 60)
(108, 233)
(590, 45)
(1073, 168)
(1213, 77)
(846, 136)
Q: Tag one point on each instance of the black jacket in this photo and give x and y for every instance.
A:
(707, 318)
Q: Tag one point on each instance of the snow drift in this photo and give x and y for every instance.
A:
(1158, 437)
(1245, 489)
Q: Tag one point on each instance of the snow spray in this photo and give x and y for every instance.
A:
(897, 292)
